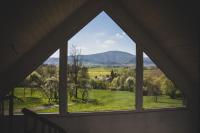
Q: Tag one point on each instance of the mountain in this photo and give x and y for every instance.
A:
(109, 58)
(52, 61)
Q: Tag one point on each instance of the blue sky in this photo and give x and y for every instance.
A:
(100, 35)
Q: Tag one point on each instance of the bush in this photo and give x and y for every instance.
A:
(171, 90)
(98, 84)
(130, 84)
(151, 88)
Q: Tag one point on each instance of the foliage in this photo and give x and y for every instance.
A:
(151, 88)
(84, 82)
(124, 80)
(171, 90)
(50, 89)
(130, 84)
(98, 84)
(34, 80)
(47, 71)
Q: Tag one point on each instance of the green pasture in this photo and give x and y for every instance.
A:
(99, 100)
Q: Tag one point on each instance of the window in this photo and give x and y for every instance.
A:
(39, 90)
(101, 68)
(158, 90)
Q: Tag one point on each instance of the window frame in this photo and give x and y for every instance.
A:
(138, 94)
(63, 97)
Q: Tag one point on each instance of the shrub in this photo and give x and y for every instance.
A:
(171, 90)
(130, 84)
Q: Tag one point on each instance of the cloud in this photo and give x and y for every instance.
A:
(100, 33)
(123, 33)
(97, 41)
(119, 36)
(109, 41)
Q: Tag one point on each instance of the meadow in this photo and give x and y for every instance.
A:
(98, 100)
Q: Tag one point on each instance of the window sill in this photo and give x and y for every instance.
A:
(77, 114)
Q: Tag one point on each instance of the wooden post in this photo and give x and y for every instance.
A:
(11, 102)
(11, 108)
(63, 80)
(139, 78)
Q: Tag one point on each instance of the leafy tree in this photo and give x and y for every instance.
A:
(113, 74)
(171, 90)
(50, 89)
(99, 84)
(35, 80)
(151, 88)
(115, 83)
(52, 71)
(84, 82)
(130, 83)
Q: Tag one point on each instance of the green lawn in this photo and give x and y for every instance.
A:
(29, 101)
(99, 100)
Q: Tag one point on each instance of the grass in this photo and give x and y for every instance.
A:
(99, 100)
(105, 100)
(29, 101)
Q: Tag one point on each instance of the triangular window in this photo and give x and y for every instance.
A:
(158, 90)
(39, 90)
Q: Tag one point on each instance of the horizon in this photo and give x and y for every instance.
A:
(144, 55)
(99, 53)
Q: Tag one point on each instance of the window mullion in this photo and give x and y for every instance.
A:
(63, 80)
(139, 78)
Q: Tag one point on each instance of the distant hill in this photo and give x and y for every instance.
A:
(109, 58)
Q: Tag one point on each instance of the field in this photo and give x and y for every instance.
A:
(100, 100)
(102, 71)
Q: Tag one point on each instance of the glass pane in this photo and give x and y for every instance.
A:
(101, 68)
(158, 90)
(39, 90)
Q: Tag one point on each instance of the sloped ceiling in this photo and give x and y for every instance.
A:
(172, 28)
(25, 23)
(32, 30)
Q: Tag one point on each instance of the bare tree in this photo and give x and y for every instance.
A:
(76, 66)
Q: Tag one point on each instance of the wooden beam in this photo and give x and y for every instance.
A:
(63, 80)
(139, 78)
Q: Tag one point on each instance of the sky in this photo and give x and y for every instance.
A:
(100, 35)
